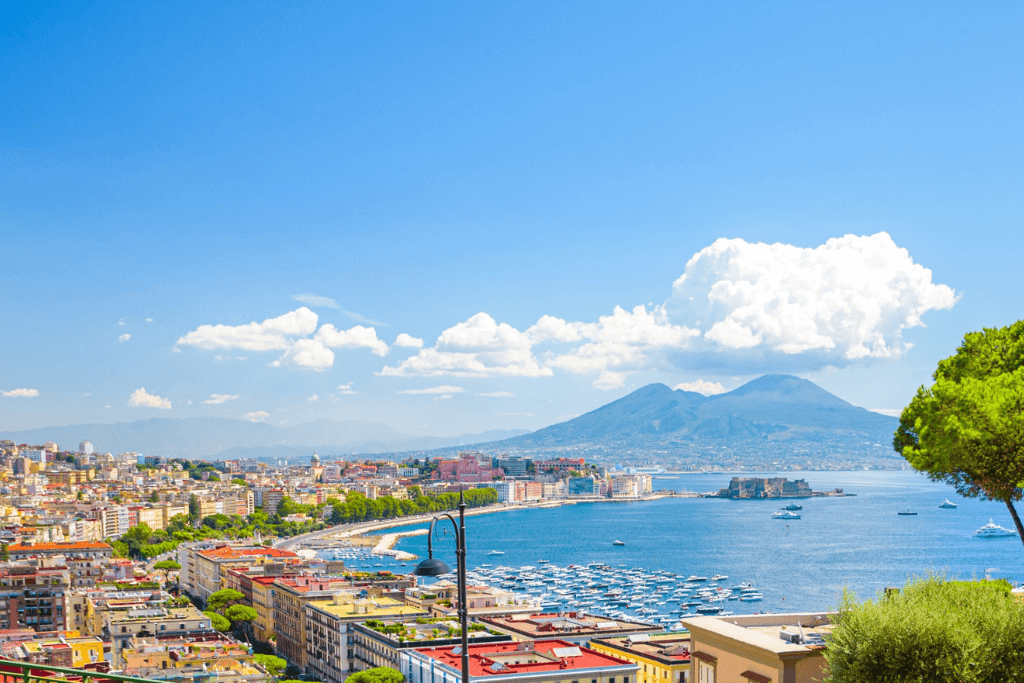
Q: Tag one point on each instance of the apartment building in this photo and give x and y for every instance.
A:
(762, 648)
(329, 642)
(660, 657)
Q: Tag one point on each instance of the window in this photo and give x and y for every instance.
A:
(705, 673)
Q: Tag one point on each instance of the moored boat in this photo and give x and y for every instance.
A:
(993, 530)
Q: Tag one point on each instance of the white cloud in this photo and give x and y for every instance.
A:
(316, 301)
(149, 320)
(346, 388)
(270, 335)
(609, 380)
(409, 341)
(140, 399)
(498, 394)
(478, 347)
(701, 387)
(846, 300)
(124, 337)
(217, 399)
(313, 399)
(289, 333)
(257, 416)
(443, 389)
(353, 338)
(891, 412)
(20, 393)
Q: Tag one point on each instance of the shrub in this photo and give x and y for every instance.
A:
(933, 630)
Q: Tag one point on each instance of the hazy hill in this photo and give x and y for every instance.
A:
(207, 437)
(772, 407)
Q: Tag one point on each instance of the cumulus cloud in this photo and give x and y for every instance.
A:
(124, 337)
(273, 334)
(443, 389)
(498, 394)
(409, 341)
(737, 305)
(353, 338)
(846, 300)
(256, 416)
(289, 333)
(346, 389)
(141, 399)
(313, 399)
(217, 399)
(701, 387)
(316, 301)
(478, 347)
(20, 393)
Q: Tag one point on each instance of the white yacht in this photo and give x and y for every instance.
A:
(993, 530)
(948, 505)
(785, 514)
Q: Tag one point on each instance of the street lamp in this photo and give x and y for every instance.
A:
(434, 567)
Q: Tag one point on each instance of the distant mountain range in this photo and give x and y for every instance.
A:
(765, 421)
(768, 408)
(222, 438)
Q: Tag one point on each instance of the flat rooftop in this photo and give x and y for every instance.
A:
(530, 657)
(365, 608)
(573, 624)
(669, 648)
(775, 633)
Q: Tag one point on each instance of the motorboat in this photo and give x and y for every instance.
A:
(719, 577)
(785, 514)
(496, 552)
(947, 505)
(695, 578)
(907, 513)
(993, 530)
(617, 542)
(793, 506)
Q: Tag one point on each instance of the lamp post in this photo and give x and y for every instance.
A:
(432, 567)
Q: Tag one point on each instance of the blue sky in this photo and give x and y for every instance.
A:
(402, 168)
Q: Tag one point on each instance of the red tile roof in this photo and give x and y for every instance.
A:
(482, 664)
(227, 552)
(56, 547)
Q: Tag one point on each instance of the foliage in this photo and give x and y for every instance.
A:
(237, 613)
(359, 508)
(379, 674)
(274, 665)
(218, 622)
(167, 566)
(223, 598)
(239, 482)
(967, 429)
(932, 630)
(5, 553)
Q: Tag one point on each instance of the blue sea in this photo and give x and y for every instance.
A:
(856, 542)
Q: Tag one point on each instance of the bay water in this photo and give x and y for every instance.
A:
(857, 542)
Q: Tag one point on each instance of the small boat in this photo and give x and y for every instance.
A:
(907, 513)
(793, 506)
(696, 578)
(948, 505)
(785, 514)
(719, 577)
(496, 552)
(993, 530)
(618, 543)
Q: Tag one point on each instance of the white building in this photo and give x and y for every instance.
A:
(85, 447)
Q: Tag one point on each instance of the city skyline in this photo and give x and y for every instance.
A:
(451, 222)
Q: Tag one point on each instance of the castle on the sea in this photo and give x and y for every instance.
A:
(775, 487)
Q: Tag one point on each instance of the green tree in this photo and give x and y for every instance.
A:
(167, 566)
(967, 429)
(193, 509)
(932, 630)
(273, 665)
(379, 674)
(241, 617)
(154, 497)
(5, 552)
(224, 598)
(218, 621)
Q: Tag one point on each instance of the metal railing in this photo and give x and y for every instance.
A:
(13, 671)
